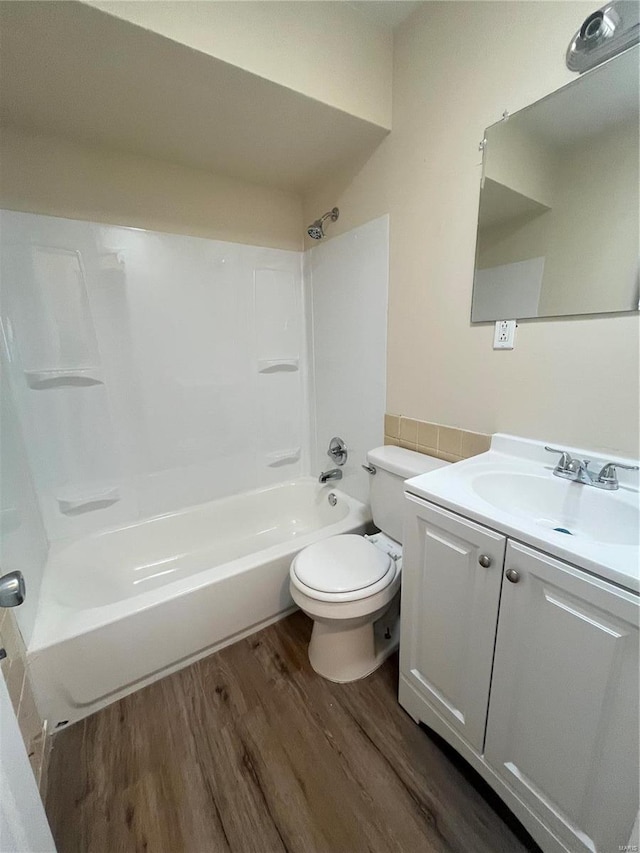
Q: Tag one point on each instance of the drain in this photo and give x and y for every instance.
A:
(563, 530)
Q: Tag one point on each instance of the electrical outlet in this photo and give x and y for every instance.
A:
(505, 333)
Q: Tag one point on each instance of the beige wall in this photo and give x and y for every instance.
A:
(54, 176)
(457, 67)
(326, 50)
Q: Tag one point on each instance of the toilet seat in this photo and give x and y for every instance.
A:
(342, 568)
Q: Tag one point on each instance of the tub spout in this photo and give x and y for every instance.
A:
(333, 474)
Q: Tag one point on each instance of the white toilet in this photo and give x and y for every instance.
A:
(350, 585)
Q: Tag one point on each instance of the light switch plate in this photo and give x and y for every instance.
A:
(505, 333)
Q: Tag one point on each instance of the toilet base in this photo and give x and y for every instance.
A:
(342, 653)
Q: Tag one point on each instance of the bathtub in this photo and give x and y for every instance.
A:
(125, 607)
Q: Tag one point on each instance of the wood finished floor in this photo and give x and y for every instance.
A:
(250, 751)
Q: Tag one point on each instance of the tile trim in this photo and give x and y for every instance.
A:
(451, 444)
(16, 674)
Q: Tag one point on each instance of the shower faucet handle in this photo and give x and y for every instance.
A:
(337, 450)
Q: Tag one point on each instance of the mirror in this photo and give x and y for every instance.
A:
(558, 227)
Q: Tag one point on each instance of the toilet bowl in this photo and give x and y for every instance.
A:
(350, 585)
(346, 584)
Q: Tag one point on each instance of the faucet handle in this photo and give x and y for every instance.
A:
(608, 474)
(565, 458)
(337, 450)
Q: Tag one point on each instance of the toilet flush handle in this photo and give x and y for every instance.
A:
(371, 469)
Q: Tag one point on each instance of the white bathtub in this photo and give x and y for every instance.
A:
(125, 607)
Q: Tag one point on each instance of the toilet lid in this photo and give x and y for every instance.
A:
(341, 564)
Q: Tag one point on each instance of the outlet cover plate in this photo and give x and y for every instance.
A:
(505, 334)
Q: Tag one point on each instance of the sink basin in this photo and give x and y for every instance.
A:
(512, 489)
(561, 505)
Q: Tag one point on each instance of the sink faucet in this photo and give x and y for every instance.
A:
(333, 474)
(578, 470)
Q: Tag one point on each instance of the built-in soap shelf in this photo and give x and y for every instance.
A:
(111, 262)
(278, 365)
(283, 457)
(79, 377)
(74, 500)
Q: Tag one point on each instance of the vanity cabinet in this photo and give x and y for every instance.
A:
(529, 668)
(449, 610)
(563, 718)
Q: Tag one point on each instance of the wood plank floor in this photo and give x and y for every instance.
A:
(250, 751)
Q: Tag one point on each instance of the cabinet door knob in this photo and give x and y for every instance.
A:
(484, 561)
(512, 575)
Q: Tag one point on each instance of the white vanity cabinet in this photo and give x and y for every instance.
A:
(529, 668)
(450, 601)
(563, 717)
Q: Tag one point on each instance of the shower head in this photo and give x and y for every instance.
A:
(316, 229)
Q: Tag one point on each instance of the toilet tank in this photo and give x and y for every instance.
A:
(393, 466)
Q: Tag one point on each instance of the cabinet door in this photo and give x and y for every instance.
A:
(449, 613)
(563, 717)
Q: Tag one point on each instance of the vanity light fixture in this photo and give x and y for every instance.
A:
(604, 34)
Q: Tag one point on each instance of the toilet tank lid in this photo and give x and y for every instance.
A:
(404, 463)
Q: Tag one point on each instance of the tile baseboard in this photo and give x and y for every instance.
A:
(16, 676)
(451, 444)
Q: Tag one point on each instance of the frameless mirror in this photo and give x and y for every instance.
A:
(558, 227)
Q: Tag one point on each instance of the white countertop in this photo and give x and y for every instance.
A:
(455, 487)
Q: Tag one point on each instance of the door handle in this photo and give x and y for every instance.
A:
(12, 589)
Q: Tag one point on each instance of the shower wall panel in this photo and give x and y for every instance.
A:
(347, 279)
(279, 340)
(149, 369)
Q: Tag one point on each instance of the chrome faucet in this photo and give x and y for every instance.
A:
(333, 474)
(578, 470)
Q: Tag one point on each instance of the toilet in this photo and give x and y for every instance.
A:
(350, 585)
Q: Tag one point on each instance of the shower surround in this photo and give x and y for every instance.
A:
(152, 376)
(151, 371)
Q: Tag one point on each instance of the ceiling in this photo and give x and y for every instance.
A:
(71, 70)
(386, 13)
